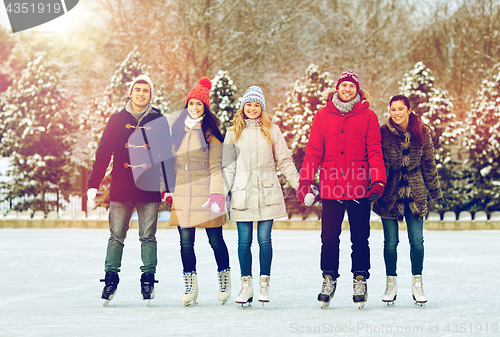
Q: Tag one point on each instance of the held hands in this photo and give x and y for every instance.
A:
(305, 192)
(166, 197)
(91, 194)
(376, 191)
(442, 202)
(216, 202)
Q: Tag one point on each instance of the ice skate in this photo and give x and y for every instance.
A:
(224, 285)
(191, 289)
(148, 287)
(360, 291)
(264, 289)
(391, 290)
(417, 291)
(111, 281)
(327, 291)
(246, 293)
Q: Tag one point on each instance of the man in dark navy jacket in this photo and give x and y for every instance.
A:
(138, 139)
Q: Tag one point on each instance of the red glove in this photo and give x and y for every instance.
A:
(304, 189)
(166, 197)
(219, 200)
(376, 191)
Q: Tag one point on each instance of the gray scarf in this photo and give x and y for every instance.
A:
(345, 107)
(139, 115)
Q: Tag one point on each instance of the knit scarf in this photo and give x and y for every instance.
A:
(191, 123)
(345, 107)
(138, 115)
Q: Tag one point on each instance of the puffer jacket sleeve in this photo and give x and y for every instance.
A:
(428, 165)
(374, 151)
(215, 154)
(229, 156)
(315, 149)
(283, 158)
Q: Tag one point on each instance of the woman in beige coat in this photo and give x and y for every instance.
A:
(198, 200)
(254, 149)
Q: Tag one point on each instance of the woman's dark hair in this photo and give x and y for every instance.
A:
(209, 126)
(415, 123)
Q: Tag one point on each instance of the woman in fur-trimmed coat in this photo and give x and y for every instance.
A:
(411, 175)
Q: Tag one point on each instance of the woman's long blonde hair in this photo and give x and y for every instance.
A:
(239, 125)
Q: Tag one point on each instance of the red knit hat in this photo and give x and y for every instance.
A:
(350, 76)
(201, 91)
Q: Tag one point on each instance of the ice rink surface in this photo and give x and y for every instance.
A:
(49, 286)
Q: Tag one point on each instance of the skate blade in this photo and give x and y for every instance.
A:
(389, 303)
(361, 305)
(190, 304)
(420, 304)
(105, 303)
(148, 302)
(325, 305)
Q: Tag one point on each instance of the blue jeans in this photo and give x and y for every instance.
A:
(216, 241)
(245, 232)
(119, 219)
(415, 236)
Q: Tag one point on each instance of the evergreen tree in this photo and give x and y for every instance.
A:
(295, 117)
(36, 121)
(483, 122)
(435, 108)
(222, 99)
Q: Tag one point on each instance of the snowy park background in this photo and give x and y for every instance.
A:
(50, 287)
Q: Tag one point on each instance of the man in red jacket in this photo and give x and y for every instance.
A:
(344, 144)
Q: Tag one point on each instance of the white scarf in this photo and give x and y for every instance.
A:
(191, 123)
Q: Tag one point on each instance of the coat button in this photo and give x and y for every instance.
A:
(341, 152)
(341, 131)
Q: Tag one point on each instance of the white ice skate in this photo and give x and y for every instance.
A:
(224, 277)
(360, 291)
(417, 291)
(264, 289)
(391, 290)
(246, 293)
(191, 289)
(327, 291)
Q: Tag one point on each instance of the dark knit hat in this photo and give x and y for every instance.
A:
(201, 91)
(254, 94)
(350, 76)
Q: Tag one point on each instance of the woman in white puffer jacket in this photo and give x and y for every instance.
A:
(254, 149)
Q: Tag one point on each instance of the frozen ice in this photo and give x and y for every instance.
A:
(49, 286)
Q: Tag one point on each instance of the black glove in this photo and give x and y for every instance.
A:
(442, 202)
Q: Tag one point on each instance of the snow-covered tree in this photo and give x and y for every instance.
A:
(222, 99)
(483, 125)
(295, 117)
(35, 122)
(435, 107)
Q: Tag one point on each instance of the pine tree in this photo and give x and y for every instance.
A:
(222, 99)
(36, 121)
(483, 122)
(434, 106)
(295, 117)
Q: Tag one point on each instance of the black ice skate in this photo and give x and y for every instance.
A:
(148, 286)
(360, 291)
(111, 280)
(327, 291)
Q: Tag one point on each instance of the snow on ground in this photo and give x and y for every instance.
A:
(49, 286)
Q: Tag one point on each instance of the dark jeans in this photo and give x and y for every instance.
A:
(216, 242)
(119, 219)
(415, 229)
(245, 233)
(331, 227)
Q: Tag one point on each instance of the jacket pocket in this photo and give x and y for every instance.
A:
(238, 198)
(272, 193)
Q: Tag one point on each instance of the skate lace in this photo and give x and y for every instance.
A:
(263, 288)
(223, 281)
(328, 286)
(419, 286)
(188, 282)
(359, 287)
(389, 287)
